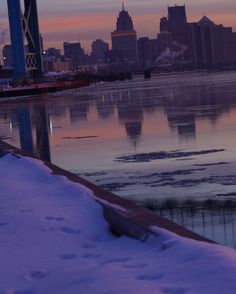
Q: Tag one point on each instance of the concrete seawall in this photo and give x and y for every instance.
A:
(124, 217)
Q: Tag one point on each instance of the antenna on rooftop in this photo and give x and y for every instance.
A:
(123, 6)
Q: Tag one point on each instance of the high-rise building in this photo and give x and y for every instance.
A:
(164, 40)
(179, 31)
(234, 46)
(201, 44)
(145, 52)
(73, 51)
(99, 48)
(178, 25)
(124, 38)
(177, 15)
(164, 24)
(148, 52)
(53, 52)
(212, 44)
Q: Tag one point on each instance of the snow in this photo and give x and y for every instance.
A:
(54, 239)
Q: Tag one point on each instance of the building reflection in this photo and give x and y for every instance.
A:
(130, 114)
(182, 121)
(187, 131)
(180, 114)
(105, 106)
(79, 111)
(183, 106)
(134, 131)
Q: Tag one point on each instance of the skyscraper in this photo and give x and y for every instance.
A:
(145, 52)
(99, 47)
(179, 31)
(178, 25)
(164, 24)
(212, 44)
(177, 15)
(124, 38)
(73, 51)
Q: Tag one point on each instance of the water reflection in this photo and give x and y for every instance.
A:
(78, 111)
(182, 105)
(130, 115)
(42, 147)
(105, 107)
(25, 128)
(86, 130)
(31, 121)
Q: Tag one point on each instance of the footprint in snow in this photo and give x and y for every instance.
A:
(3, 224)
(149, 277)
(55, 218)
(68, 256)
(72, 231)
(117, 260)
(173, 290)
(88, 246)
(91, 255)
(37, 275)
(26, 291)
(133, 266)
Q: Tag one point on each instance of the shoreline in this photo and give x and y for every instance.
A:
(124, 217)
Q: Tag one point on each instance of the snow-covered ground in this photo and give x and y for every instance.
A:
(54, 239)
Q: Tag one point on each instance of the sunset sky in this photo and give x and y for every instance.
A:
(86, 20)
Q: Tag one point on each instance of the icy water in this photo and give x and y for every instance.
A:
(167, 143)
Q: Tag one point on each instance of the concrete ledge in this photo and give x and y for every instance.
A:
(124, 217)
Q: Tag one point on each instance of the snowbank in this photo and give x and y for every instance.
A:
(54, 239)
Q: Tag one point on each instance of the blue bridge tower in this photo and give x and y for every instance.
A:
(27, 56)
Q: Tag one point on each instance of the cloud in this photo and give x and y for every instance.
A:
(69, 20)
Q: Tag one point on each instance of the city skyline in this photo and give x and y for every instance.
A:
(74, 20)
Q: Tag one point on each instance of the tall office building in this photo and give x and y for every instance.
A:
(212, 44)
(124, 38)
(178, 25)
(148, 50)
(164, 24)
(234, 46)
(179, 31)
(164, 40)
(145, 51)
(53, 52)
(177, 15)
(73, 51)
(99, 48)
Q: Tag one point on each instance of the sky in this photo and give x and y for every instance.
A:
(87, 20)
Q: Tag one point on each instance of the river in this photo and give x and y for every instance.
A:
(167, 143)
